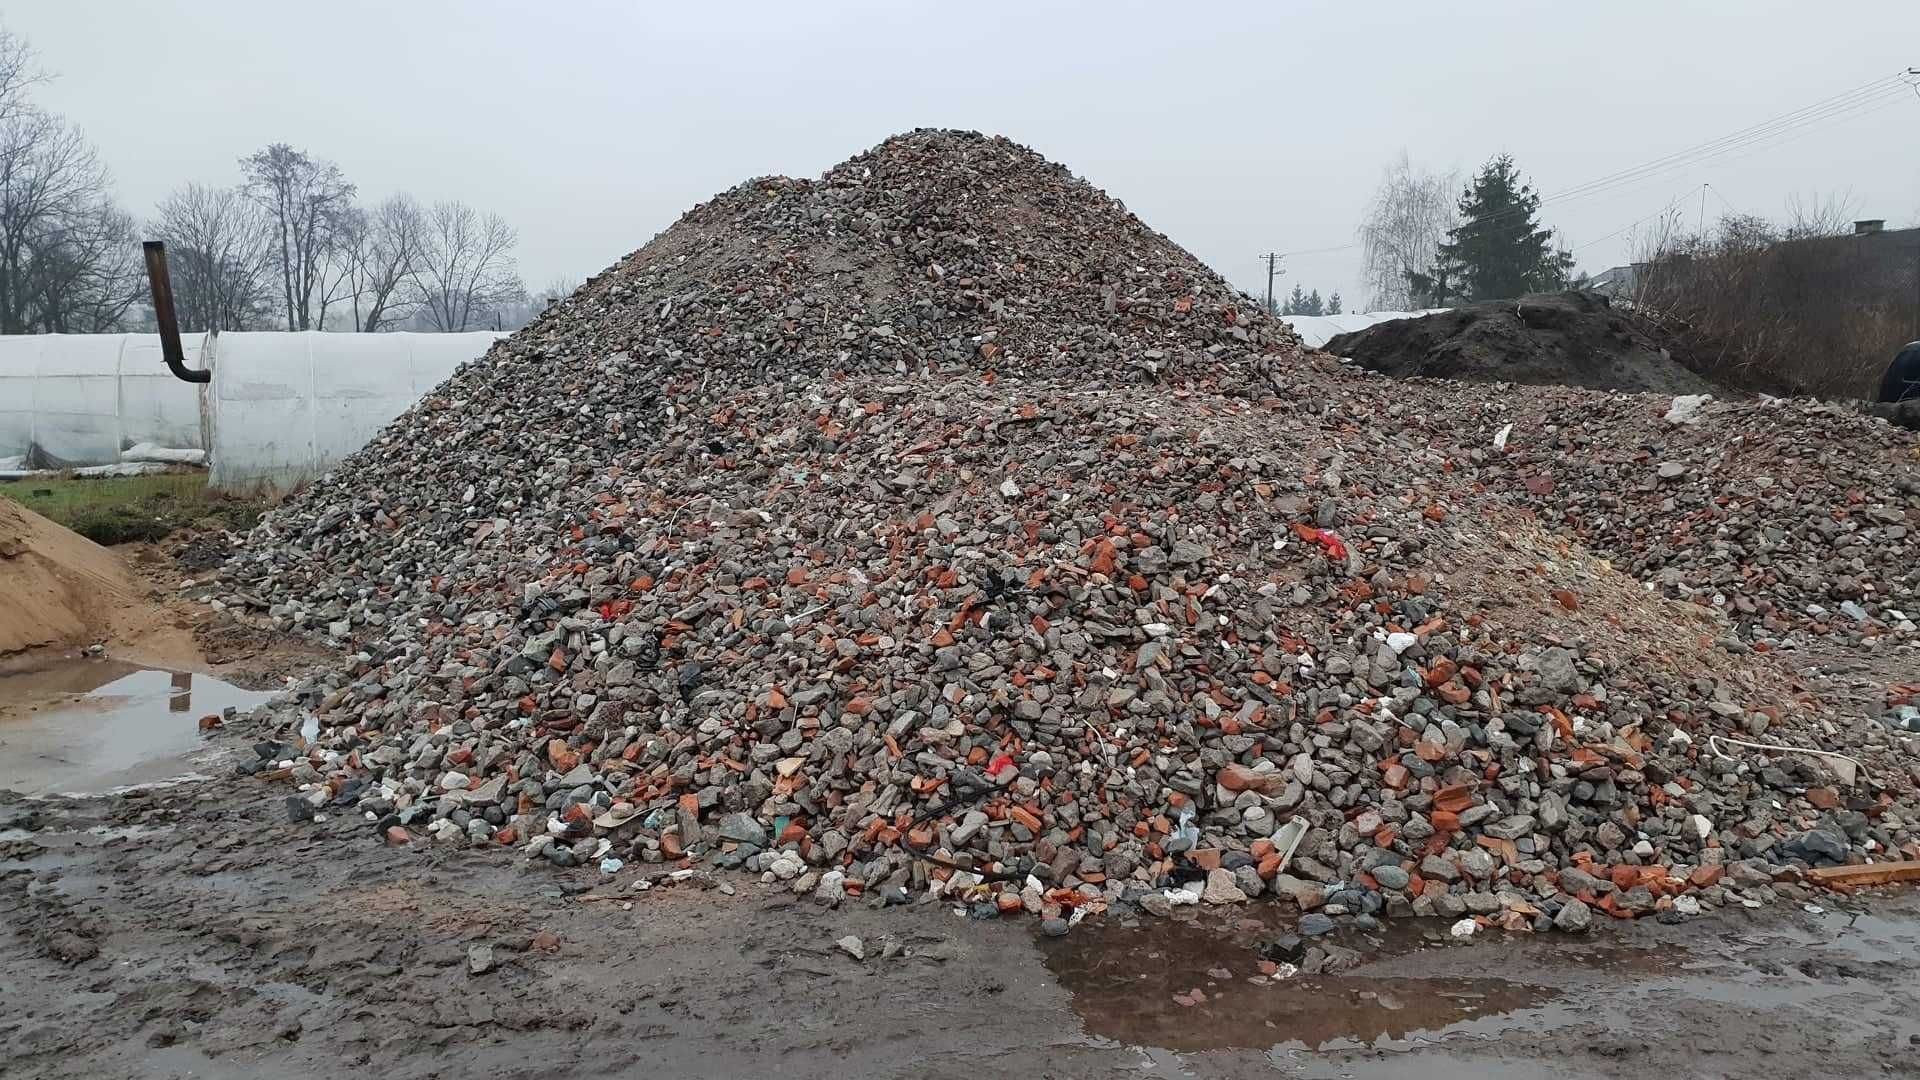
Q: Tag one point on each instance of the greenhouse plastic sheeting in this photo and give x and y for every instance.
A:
(1317, 330)
(286, 407)
(69, 400)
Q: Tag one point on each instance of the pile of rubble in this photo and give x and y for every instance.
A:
(936, 527)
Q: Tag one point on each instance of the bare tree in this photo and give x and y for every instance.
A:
(17, 72)
(64, 257)
(339, 282)
(386, 251)
(1794, 307)
(309, 203)
(1811, 214)
(87, 282)
(466, 267)
(221, 257)
(1408, 219)
(555, 290)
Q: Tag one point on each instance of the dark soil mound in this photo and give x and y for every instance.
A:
(1570, 338)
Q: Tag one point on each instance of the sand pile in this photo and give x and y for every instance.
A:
(57, 588)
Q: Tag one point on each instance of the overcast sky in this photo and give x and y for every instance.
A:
(1235, 129)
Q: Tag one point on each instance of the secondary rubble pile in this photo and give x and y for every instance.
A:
(935, 527)
(1796, 518)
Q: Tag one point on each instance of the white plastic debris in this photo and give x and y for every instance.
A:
(1500, 437)
(1686, 408)
(165, 455)
(1286, 839)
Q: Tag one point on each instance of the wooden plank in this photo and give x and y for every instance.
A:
(1883, 873)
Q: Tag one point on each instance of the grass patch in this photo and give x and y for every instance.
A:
(125, 509)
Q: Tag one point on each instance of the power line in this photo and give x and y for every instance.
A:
(1524, 222)
(1896, 99)
(1772, 136)
(1805, 114)
(1671, 203)
(1867, 98)
(1801, 122)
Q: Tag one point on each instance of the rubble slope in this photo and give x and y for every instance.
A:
(936, 525)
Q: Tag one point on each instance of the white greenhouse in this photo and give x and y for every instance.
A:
(1316, 330)
(281, 408)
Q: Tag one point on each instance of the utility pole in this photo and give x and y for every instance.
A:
(1273, 261)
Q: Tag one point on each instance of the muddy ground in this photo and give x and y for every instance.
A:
(192, 930)
(189, 928)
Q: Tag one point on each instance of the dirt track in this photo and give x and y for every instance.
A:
(190, 931)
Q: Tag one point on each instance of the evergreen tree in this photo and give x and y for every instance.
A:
(1296, 303)
(1499, 250)
(1314, 305)
(1333, 303)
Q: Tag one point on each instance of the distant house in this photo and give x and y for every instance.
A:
(1819, 314)
(1617, 281)
(1895, 250)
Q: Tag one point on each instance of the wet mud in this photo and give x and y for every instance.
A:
(90, 726)
(192, 929)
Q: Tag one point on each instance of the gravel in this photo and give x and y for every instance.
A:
(937, 524)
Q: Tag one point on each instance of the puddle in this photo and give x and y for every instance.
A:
(100, 725)
(1124, 982)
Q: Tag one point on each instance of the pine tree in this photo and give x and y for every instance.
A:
(1499, 250)
(1296, 303)
(1333, 303)
(1314, 305)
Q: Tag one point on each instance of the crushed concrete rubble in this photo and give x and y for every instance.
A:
(937, 529)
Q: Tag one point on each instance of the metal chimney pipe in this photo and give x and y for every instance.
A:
(162, 286)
